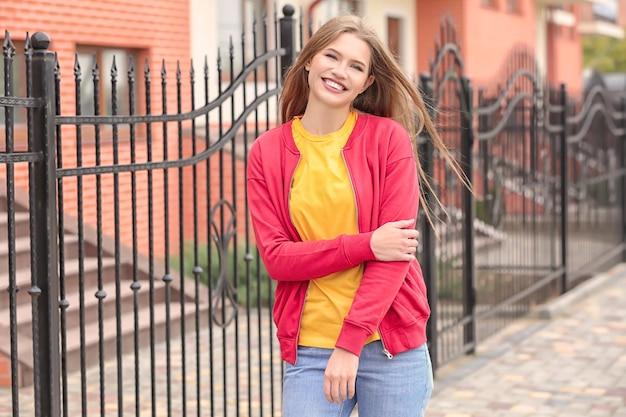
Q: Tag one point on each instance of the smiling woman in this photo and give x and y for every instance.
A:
(340, 238)
(336, 76)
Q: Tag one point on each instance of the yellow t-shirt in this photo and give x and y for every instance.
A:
(322, 206)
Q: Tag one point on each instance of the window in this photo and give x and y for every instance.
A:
(17, 77)
(18, 82)
(352, 6)
(513, 6)
(607, 10)
(87, 58)
(394, 36)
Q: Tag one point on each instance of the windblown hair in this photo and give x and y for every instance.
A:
(393, 94)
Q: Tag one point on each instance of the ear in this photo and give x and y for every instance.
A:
(368, 83)
(307, 66)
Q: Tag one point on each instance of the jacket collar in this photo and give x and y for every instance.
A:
(290, 144)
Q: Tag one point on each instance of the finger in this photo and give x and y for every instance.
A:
(351, 388)
(328, 391)
(339, 393)
(344, 390)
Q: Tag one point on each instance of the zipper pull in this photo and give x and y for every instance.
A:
(388, 354)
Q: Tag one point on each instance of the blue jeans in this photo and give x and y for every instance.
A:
(398, 387)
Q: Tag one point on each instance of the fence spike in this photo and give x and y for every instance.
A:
(57, 66)
(192, 72)
(27, 45)
(77, 71)
(114, 70)
(8, 48)
(131, 69)
(95, 70)
(146, 72)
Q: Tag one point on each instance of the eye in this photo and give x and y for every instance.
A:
(331, 56)
(358, 67)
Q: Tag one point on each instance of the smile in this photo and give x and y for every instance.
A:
(334, 84)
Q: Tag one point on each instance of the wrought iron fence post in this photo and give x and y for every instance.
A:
(467, 165)
(621, 149)
(287, 38)
(564, 187)
(44, 246)
(426, 152)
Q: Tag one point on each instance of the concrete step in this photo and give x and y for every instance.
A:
(93, 346)
(111, 304)
(89, 345)
(22, 252)
(22, 226)
(72, 272)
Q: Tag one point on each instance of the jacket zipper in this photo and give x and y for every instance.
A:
(356, 203)
(292, 223)
(290, 186)
(385, 351)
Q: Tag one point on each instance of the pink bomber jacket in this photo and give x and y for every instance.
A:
(392, 295)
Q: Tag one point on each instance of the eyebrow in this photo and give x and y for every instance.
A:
(356, 61)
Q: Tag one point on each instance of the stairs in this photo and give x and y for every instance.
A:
(94, 328)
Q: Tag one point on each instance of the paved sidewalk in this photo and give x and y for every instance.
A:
(567, 360)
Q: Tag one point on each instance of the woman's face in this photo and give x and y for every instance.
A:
(339, 72)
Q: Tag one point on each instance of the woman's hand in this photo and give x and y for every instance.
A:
(340, 376)
(395, 241)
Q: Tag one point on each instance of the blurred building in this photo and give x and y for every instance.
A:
(489, 29)
(182, 31)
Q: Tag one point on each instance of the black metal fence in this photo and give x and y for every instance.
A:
(133, 282)
(548, 208)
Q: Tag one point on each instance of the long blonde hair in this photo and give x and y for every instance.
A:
(392, 94)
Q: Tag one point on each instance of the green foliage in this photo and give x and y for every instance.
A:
(485, 210)
(252, 282)
(604, 54)
(600, 193)
(449, 281)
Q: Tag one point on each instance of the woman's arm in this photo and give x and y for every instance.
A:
(285, 257)
(382, 280)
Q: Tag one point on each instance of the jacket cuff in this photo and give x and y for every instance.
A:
(358, 249)
(352, 338)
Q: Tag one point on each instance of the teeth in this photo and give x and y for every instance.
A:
(334, 85)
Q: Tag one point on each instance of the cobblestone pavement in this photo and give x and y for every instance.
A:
(568, 360)
(189, 390)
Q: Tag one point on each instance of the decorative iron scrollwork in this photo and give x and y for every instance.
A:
(224, 305)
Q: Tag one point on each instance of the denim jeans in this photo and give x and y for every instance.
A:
(397, 387)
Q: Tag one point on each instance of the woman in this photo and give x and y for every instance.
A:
(333, 196)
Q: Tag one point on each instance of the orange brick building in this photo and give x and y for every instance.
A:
(490, 29)
(155, 33)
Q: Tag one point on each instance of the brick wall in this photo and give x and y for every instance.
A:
(5, 371)
(156, 30)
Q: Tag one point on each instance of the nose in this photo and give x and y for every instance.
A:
(340, 70)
